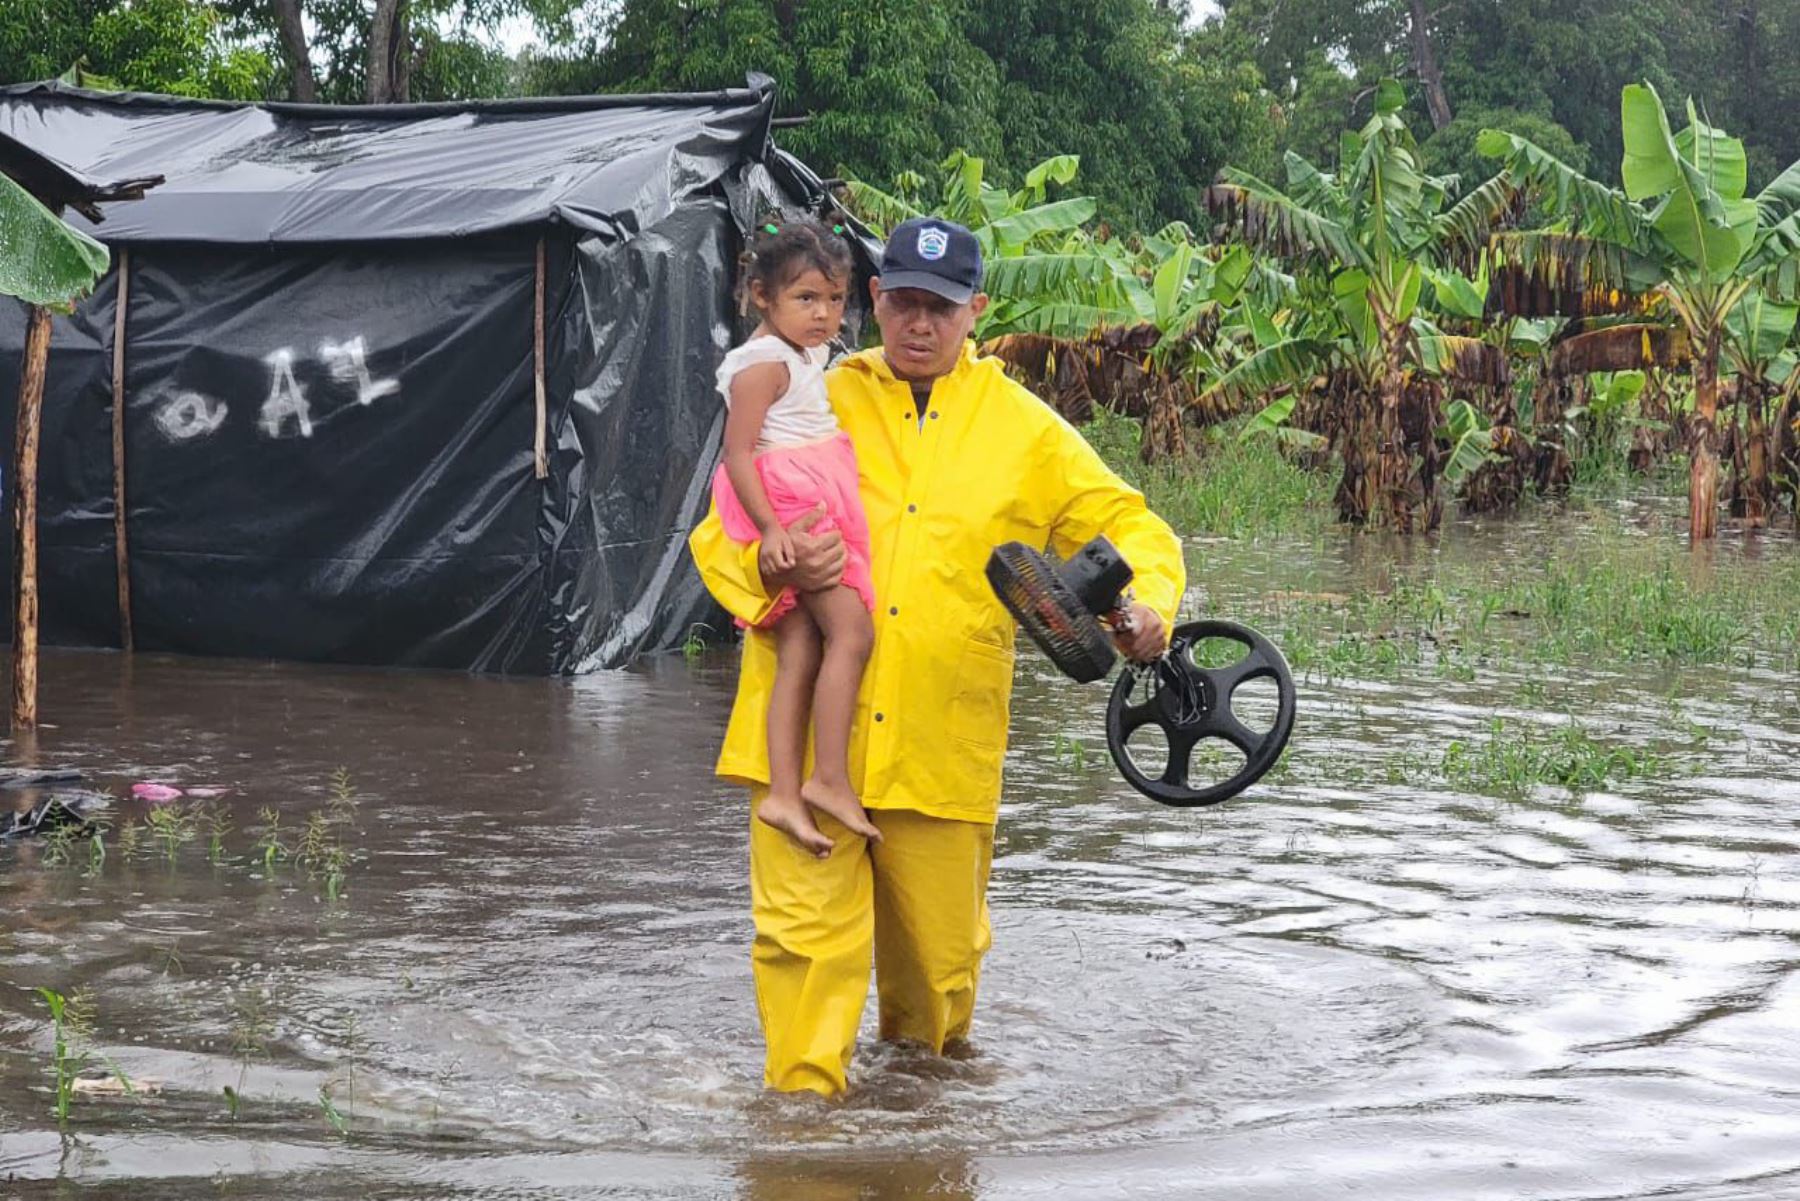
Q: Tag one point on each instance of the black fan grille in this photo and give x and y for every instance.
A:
(1049, 612)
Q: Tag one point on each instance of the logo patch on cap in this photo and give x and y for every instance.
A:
(933, 244)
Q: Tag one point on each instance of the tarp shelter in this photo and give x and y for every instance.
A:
(335, 446)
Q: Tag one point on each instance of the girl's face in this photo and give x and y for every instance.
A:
(808, 310)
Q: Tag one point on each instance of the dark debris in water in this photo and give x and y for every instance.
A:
(35, 802)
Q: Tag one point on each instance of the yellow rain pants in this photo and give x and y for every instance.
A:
(987, 463)
(916, 903)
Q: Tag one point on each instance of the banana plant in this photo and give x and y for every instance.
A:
(1361, 242)
(1007, 224)
(1681, 233)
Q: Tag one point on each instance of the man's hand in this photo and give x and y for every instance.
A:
(818, 558)
(1139, 636)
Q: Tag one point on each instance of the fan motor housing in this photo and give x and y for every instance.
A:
(1097, 575)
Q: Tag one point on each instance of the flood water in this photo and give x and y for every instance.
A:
(1354, 982)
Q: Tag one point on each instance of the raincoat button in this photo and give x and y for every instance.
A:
(934, 414)
(893, 611)
(881, 717)
(912, 508)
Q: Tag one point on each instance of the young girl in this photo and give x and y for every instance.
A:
(785, 458)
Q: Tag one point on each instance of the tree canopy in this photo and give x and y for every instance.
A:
(1153, 97)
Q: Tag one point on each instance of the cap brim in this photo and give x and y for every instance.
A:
(894, 281)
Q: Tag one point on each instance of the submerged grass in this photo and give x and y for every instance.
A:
(1516, 757)
(1610, 598)
(1227, 487)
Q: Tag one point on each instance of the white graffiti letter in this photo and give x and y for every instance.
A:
(189, 415)
(285, 397)
(349, 365)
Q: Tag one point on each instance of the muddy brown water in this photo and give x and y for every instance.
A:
(1357, 982)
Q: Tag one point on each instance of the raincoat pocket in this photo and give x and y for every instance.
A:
(980, 704)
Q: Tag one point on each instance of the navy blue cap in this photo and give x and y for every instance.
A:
(938, 256)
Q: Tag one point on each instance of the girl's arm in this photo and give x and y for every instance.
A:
(753, 391)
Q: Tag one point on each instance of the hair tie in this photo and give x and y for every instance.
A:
(838, 230)
(771, 228)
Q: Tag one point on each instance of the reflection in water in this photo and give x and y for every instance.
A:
(784, 1177)
(1358, 982)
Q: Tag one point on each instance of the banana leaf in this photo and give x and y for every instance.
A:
(1270, 418)
(1271, 369)
(1270, 221)
(44, 261)
(1760, 327)
(1601, 212)
(1471, 441)
(1709, 227)
(1058, 216)
(878, 208)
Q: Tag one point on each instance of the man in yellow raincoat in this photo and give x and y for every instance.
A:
(954, 459)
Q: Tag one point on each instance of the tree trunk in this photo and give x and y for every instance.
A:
(1703, 453)
(388, 53)
(1352, 414)
(1163, 435)
(1758, 490)
(1554, 469)
(1425, 63)
(25, 581)
(294, 48)
(1785, 449)
(1393, 463)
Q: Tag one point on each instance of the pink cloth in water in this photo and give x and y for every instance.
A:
(796, 479)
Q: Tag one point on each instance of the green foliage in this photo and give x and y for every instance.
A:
(181, 47)
(43, 261)
(1517, 757)
(892, 84)
(1451, 150)
(1232, 487)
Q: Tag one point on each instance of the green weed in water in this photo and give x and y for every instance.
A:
(172, 827)
(331, 1111)
(97, 850)
(216, 820)
(694, 645)
(57, 844)
(336, 868)
(71, 1051)
(1606, 598)
(269, 847)
(1070, 752)
(1515, 758)
(344, 798)
(252, 1024)
(129, 837)
(314, 842)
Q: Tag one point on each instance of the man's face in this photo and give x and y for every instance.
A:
(922, 334)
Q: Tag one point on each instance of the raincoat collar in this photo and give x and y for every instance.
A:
(875, 363)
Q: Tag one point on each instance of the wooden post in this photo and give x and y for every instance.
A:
(541, 442)
(118, 435)
(25, 583)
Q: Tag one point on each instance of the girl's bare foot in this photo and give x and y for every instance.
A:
(841, 803)
(788, 814)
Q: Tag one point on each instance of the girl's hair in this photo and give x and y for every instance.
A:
(781, 252)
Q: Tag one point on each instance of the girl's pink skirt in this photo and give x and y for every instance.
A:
(797, 479)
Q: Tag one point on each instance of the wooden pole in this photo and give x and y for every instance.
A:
(118, 435)
(25, 582)
(541, 442)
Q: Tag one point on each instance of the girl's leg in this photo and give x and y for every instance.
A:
(849, 636)
(797, 656)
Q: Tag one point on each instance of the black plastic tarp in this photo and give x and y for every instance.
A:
(330, 403)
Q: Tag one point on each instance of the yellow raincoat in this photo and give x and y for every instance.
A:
(989, 463)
